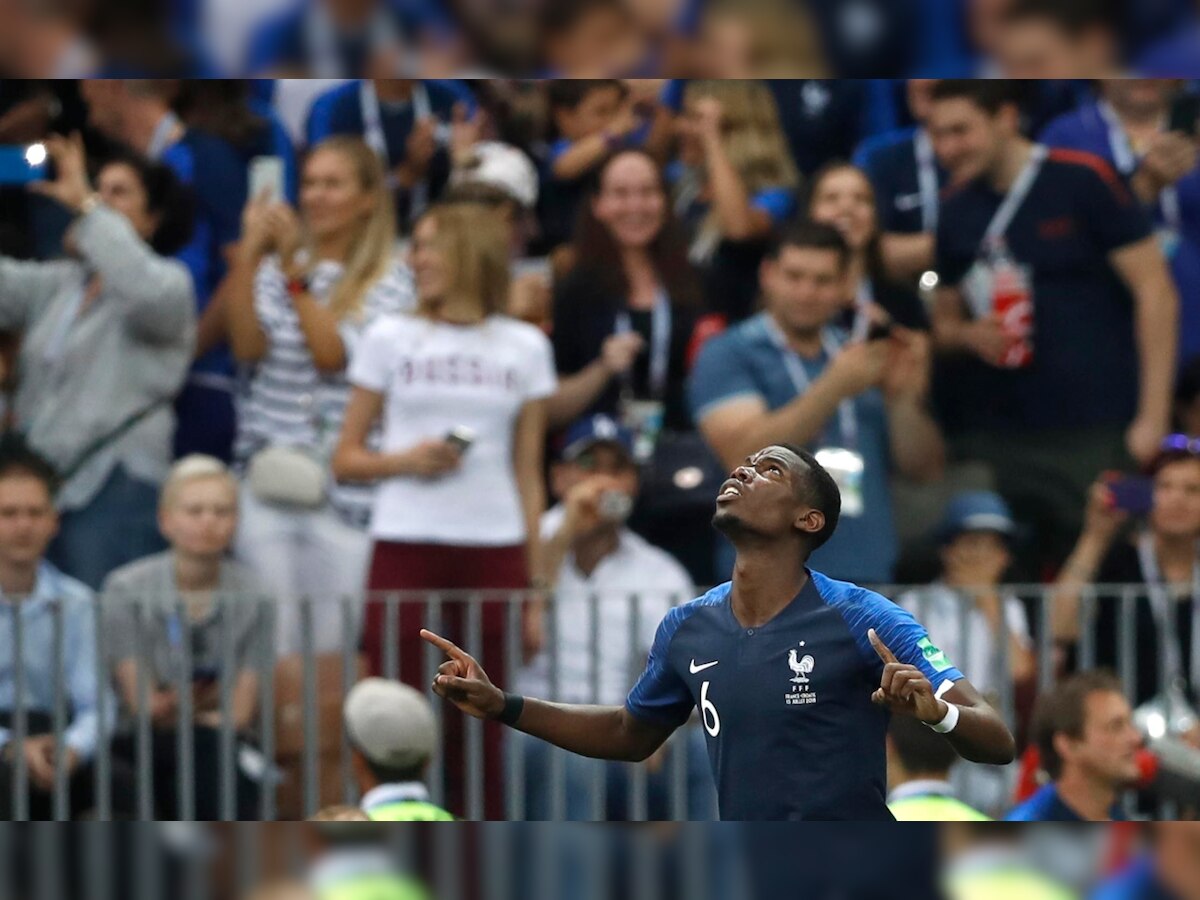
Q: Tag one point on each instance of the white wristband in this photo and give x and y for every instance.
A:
(948, 722)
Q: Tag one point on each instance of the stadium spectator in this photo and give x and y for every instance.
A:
(625, 313)
(591, 119)
(1161, 555)
(461, 514)
(107, 337)
(967, 607)
(304, 290)
(413, 126)
(1187, 398)
(1168, 870)
(343, 38)
(56, 616)
(139, 115)
(919, 764)
(601, 570)
(393, 736)
(1054, 307)
(767, 38)
(1127, 126)
(220, 600)
(789, 374)
(842, 196)
(1087, 745)
(503, 178)
(583, 39)
(733, 187)
(1047, 39)
(907, 180)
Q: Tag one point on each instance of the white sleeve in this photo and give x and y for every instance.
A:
(387, 296)
(541, 377)
(370, 361)
(1017, 621)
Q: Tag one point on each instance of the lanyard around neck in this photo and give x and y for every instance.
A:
(1161, 606)
(660, 342)
(927, 180)
(1015, 197)
(792, 364)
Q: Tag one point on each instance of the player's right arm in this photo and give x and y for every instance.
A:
(600, 732)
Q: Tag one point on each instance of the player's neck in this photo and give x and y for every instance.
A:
(1091, 799)
(766, 578)
(1008, 165)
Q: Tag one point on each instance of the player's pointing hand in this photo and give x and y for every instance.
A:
(903, 688)
(462, 681)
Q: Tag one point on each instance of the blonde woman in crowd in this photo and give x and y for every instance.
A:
(734, 184)
(306, 286)
(460, 389)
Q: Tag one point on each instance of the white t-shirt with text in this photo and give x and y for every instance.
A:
(435, 377)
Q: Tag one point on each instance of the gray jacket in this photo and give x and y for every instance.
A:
(81, 372)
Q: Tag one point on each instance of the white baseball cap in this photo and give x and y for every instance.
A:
(502, 166)
(391, 723)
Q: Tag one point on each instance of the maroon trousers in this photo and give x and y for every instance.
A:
(440, 567)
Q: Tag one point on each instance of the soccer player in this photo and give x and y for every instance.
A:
(795, 674)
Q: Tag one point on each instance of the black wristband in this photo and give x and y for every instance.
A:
(513, 705)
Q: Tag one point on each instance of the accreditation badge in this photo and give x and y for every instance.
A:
(645, 419)
(846, 469)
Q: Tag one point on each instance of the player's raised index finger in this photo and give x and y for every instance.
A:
(881, 648)
(447, 647)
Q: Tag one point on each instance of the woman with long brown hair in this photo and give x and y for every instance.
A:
(624, 314)
(460, 389)
(304, 289)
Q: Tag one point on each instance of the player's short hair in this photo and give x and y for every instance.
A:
(18, 459)
(821, 492)
(811, 236)
(991, 95)
(922, 751)
(1063, 711)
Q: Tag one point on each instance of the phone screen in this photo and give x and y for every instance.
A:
(22, 164)
(266, 177)
(1133, 493)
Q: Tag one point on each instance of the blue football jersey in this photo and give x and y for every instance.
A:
(792, 732)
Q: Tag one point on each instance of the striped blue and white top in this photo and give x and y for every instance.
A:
(286, 400)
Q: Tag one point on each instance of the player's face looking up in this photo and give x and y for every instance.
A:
(766, 497)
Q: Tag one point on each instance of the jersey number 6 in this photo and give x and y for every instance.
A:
(712, 721)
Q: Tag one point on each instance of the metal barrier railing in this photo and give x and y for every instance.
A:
(293, 757)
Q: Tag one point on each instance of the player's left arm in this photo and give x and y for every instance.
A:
(978, 732)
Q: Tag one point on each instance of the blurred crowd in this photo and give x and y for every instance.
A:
(311, 339)
(599, 38)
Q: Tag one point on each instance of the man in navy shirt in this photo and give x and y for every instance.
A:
(907, 181)
(1088, 746)
(794, 673)
(1056, 238)
(1126, 127)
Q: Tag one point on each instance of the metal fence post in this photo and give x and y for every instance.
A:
(185, 735)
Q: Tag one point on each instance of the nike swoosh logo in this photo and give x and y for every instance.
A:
(693, 668)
